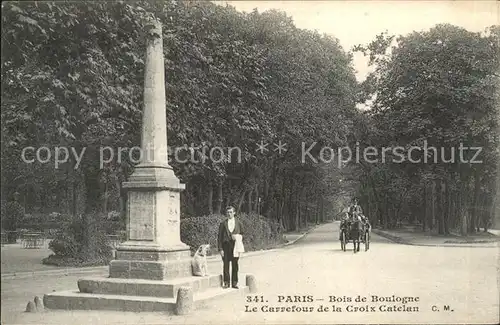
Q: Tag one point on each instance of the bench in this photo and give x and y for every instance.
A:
(32, 240)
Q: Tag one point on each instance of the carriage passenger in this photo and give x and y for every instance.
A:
(365, 222)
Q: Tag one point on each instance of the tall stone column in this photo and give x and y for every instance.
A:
(153, 249)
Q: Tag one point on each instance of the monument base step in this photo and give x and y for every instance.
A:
(149, 288)
(74, 300)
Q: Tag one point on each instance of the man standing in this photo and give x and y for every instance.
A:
(225, 242)
(355, 208)
(354, 211)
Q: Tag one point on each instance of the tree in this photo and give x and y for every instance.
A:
(438, 89)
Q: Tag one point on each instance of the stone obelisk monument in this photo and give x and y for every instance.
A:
(153, 249)
(152, 269)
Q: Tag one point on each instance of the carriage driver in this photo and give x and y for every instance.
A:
(355, 208)
(354, 211)
(359, 213)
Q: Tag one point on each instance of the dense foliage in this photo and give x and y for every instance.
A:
(72, 77)
(80, 242)
(232, 79)
(434, 89)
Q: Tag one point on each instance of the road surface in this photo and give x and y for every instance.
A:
(440, 285)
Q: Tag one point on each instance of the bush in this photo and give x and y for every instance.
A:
(64, 245)
(71, 247)
(82, 241)
(201, 230)
(259, 232)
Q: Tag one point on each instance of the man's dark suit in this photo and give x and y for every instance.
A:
(225, 243)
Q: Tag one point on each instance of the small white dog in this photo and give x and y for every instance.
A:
(199, 262)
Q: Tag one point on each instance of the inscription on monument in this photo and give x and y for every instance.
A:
(141, 215)
(173, 206)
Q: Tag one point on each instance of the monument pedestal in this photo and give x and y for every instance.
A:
(154, 250)
(149, 268)
(151, 265)
(135, 295)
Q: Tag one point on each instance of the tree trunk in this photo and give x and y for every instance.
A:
(281, 209)
(321, 209)
(286, 218)
(424, 210)
(485, 201)
(105, 200)
(317, 209)
(121, 198)
(218, 206)
(305, 219)
(240, 201)
(210, 197)
(297, 218)
(473, 207)
(455, 215)
(270, 188)
(483, 212)
(283, 198)
(432, 220)
(74, 206)
(440, 204)
(377, 200)
(371, 214)
(297, 211)
(227, 200)
(257, 200)
(93, 205)
(462, 214)
(188, 200)
(447, 207)
(290, 209)
(385, 217)
(491, 218)
(249, 201)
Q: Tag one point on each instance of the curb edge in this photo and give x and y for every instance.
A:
(401, 241)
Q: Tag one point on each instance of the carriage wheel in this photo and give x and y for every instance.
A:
(342, 241)
(367, 240)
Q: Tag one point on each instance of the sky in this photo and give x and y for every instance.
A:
(358, 22)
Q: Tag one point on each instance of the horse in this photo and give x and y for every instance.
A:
(355, 232)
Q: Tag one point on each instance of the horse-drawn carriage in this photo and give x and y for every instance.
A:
(354, 230)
